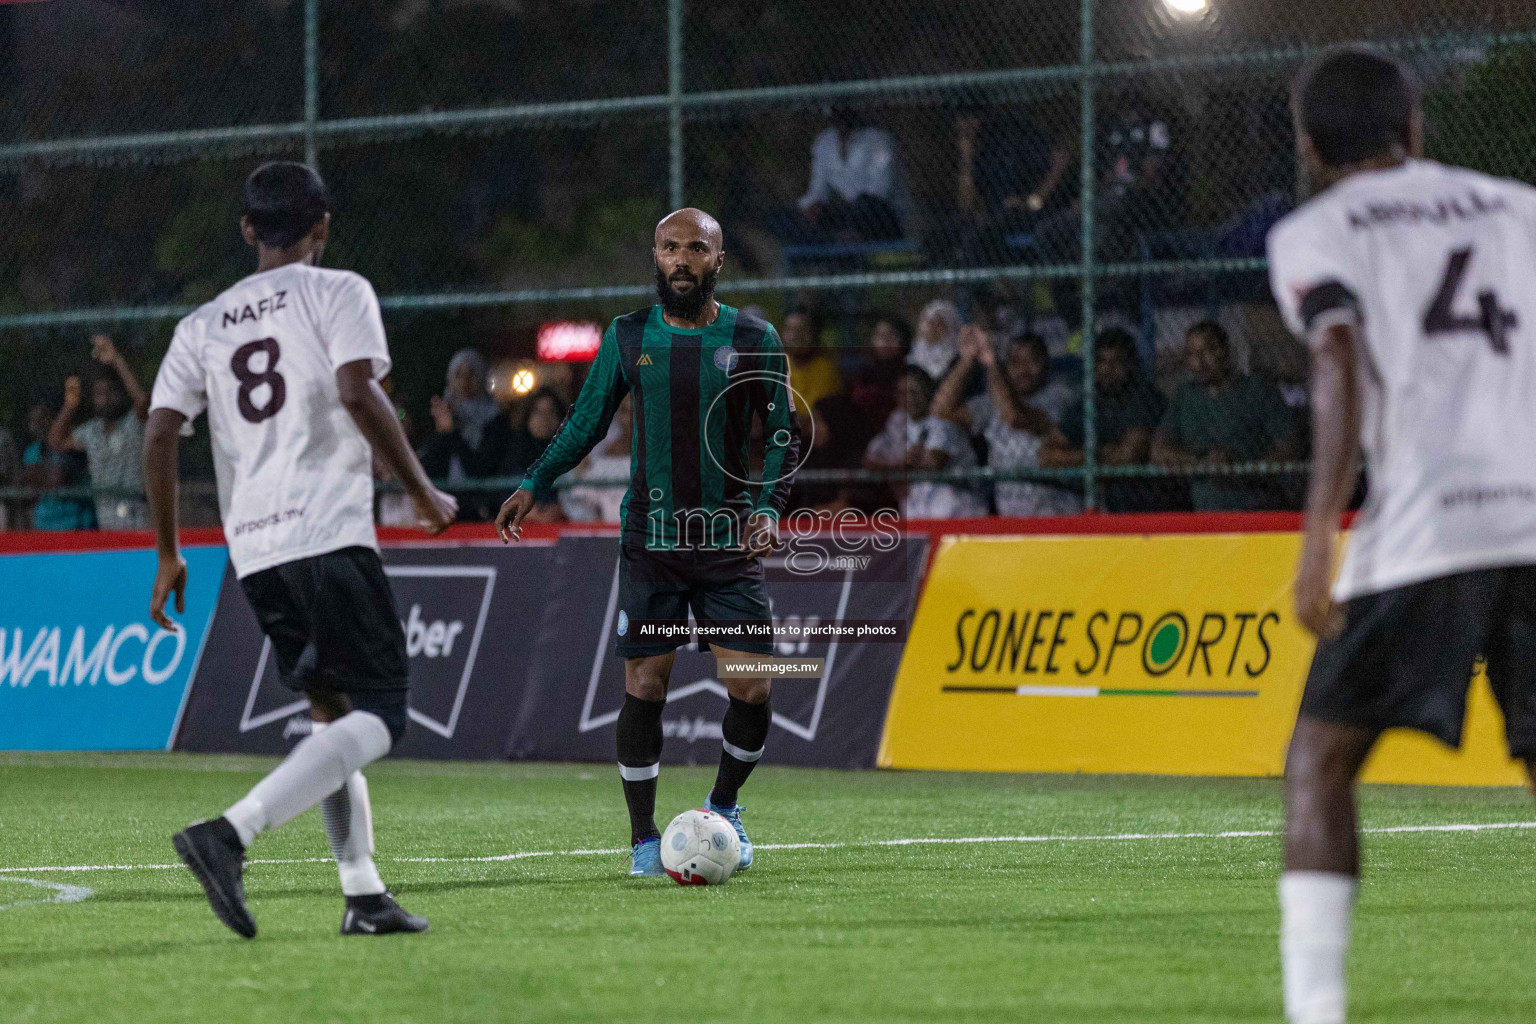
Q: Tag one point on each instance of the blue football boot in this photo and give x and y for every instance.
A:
(645, 859)
(732, 814)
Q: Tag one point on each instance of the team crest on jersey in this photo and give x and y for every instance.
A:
(726, 358)
(623, 622)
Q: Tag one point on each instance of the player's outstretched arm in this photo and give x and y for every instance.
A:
(60, 438)
(371, 410)
(1335, 445)
(105, 352)
(162, 433)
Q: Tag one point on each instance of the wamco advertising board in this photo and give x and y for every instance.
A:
(82, 667)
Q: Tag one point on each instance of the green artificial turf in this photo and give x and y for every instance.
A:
(1070, 929)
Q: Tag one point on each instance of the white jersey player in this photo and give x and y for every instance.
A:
(286, 364)
(1412, 285)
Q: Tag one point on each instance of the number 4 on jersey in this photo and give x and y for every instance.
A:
(1491, 319)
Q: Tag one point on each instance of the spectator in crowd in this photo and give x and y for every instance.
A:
(838, 437)
(609, 461)
(546, 411)
(1139, 182)
(1127, 409)
(915, 439)
(112, 439)
(874, 384)
(1016, 415)
(10, 474)
(470, 434)
(812, 372)
(1139, 190)
(44, 469)
(855, 193)
(938, 335)
(1221, 417)
(1010, 172)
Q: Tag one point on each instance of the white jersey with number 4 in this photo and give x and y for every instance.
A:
(1436, 267)
(295, 473)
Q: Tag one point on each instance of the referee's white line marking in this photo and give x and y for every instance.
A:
(860, 844)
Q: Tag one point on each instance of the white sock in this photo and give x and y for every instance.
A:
(317, 767)
(349, 829)
(1315, 911)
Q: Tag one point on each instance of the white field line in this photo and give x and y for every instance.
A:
(61, 893)
(858, 844)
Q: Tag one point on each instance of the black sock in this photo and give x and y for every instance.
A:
(640, 762)
(745, 731)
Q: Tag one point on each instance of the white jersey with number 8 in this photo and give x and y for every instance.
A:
(1436, 267)
(295, 474)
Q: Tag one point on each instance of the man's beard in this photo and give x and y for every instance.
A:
(691, 305)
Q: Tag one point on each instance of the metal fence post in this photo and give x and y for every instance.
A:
(1090, 426)
(675, 99)
(311, 78)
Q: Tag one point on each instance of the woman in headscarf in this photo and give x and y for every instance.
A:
(471, 434)
(938, 335)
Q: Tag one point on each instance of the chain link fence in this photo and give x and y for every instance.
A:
(1095, 174)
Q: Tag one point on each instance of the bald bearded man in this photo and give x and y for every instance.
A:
(695, 523)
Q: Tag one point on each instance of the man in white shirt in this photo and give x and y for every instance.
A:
(1411, 283)
(287, 365)
(855, 191)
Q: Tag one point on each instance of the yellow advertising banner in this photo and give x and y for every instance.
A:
(1173, 654)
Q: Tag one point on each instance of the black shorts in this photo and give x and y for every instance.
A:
(719, 587)
(331, 619)
(1406, 656)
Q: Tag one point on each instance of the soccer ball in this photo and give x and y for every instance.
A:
(700, 848)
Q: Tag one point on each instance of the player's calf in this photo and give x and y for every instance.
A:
(1317, 890)
(315, 769)
(639, 748)
(348, 817)
(744, 736)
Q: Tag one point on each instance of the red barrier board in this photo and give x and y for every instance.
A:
(29, 542)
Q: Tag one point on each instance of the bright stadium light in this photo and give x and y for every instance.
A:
(1188, 7)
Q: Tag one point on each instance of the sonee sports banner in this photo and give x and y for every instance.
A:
(1171, 654)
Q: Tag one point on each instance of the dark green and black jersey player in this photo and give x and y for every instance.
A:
(695, 525)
